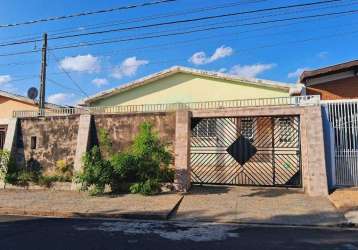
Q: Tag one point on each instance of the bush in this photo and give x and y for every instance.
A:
(148, 187)
(4, 164)
(146, 163)
(96, 171)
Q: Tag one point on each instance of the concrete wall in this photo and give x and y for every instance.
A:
(123, 128)
(184, 88)
(338, 89)
(56, 139)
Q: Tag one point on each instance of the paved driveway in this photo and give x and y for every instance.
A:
(257, 205)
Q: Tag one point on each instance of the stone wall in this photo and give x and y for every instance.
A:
(123, 128)
(56, 139)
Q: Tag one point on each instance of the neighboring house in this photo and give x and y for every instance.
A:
(334, 82)
(9, 103)
(186, 85)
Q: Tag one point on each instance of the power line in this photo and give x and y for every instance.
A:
(65, 87)
(181, 33)
(81, 14)
(173, 22)
(195, 19)
(84, 44)
(146, 18)
(68, 75)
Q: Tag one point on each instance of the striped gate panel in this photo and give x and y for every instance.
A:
(259, 151)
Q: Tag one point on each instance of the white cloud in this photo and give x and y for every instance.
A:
(250, 71)
(4, 79)
(62, 99)
(81, 63)
(322, 54)
(200, 58)
(296, 73)
(99, 82)
(128, 67)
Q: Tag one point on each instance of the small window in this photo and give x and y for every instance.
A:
(2, 136)
(247, 128)
(285, 130)
(33, 142)
(205, 128)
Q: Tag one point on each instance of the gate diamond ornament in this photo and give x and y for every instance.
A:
(242, 150)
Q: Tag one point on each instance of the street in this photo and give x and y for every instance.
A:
(49, 233)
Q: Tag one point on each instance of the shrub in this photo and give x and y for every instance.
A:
(4, 164)
(63, 171)
(146, 163)
(96, 171)
(148, 187)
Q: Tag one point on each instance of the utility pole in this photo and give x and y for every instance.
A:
(43, 75)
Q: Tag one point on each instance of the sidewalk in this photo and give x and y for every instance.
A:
(79, 204)
(260, 205)
(346, 201)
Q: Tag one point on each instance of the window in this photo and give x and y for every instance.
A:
(205, 128)
(2, 136)
(285, 130)
(247, 128)
(33, 142)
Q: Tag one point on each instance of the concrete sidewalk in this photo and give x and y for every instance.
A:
(346, 201)
(79, 204)
(258, 205)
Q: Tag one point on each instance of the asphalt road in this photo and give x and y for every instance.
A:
(51, 234)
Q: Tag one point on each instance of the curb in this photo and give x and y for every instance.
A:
(60, 214)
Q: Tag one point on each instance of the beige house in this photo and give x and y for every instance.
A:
(186, 85)
(9, 103)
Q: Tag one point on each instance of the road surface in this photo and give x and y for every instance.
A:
(45, 233)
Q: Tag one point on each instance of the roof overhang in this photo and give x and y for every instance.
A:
(331, 73)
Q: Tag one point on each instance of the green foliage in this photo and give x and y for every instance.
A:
(105, 143)
(96, 171)
(4, 164)
(146, 163)
(63, 171)
(148, 187)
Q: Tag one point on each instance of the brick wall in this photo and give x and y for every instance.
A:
(339, 89)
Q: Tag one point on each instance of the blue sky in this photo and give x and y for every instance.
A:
(275, 51)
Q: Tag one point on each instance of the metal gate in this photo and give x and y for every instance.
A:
(256, 151)
(343, 118)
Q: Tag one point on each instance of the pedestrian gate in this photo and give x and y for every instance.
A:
(257, 151)
(343, 118)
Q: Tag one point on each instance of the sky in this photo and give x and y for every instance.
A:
(251, 45)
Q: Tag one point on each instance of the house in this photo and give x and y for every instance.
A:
(334, 82)
(187, 85)
(9, 103)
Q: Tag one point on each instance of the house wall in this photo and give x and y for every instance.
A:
(56, 139)
(7, 106)
(338, 89)
(184, 88)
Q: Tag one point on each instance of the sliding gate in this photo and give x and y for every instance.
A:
(257, 151)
